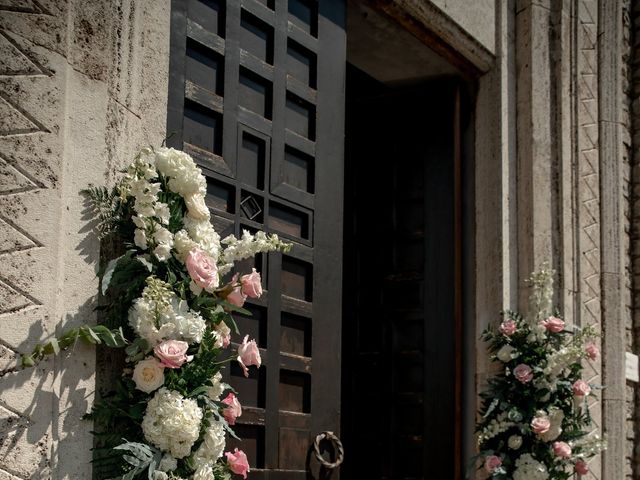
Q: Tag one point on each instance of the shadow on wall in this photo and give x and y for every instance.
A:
(42, 407)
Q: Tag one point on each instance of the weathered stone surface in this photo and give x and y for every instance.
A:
(72, 111)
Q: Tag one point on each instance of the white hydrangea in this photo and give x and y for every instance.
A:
(159, 314)
(204, 236)
(167, 463)
(172, 422)
(247, 246)
(183, 244)
(215, 391)
(204, 473)
(184, 175)
(528, 468)
(212, 446)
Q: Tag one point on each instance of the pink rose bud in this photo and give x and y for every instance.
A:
(523, 373)
(251, 284)
(236, 297)
(248, 354)
(508, 327)
(581, 388)
(562, 449)
(553, 324)
(492, 463)
(202, 269)
(592, 350)
(238, 463)
(234, 410)
(581, 467)
(172, 353)
(540, 425)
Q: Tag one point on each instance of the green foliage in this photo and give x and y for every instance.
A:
(111, 210)
(93, 335)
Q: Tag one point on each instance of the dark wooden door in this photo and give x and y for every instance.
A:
(402, 281)
(257, 98)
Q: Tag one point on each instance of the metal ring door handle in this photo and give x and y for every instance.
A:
(338, 444)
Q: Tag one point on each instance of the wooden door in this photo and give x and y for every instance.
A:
(402, 371)
(257, 98)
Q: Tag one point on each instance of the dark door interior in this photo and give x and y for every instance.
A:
(402, 285)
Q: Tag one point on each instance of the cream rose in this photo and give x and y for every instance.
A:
(196, 207)
(148, 375)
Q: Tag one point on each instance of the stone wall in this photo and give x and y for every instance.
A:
(73, 110)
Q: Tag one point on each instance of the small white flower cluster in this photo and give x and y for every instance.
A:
(563, 358)
(172, 422)
(528, 468)
(151, 214)
(589, 445)
(159, 315)
(215, 391)
(247, 246)
(495, 427)
(212, 446)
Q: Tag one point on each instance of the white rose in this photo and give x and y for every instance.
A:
(148, 375)
(505, 354)
(158, 475)
(196, 207)
(515, 442)
(140, 239)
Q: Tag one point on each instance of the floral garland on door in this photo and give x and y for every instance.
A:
(535, 422)
(170, 310)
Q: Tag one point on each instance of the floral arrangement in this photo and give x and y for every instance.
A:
(169, 303)
(534, 417)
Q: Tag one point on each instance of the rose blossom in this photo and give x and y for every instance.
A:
(234, 410)
(196, 208)
(562, 449)
(248, 354)
(202, 269)
(505, 354)
(238, 462)
(236, 297)
(508, 327)
(225, 334)
(581, 388)
(592, 350)
(553, 324)
(514, 442)
(581, 467)
(148, 375)
(172, 353)
(523, 373)
(251, 284)
(492, 463)
(540, 424)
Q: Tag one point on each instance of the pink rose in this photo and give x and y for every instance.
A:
(508, 327)
(238, 463)
(581, 388)
(251, 284)
(236, 297)
(562, 449)
(540, 425)
(492, 463)
(234, 410)
(172, 353)
(248, 354)
(202, 269)
(581, 467)
(523, 373)
(553, 324)
(592, 350)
